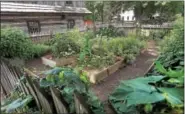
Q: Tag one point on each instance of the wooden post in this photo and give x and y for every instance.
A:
(80, 105)
(60, 104)
(43, 99)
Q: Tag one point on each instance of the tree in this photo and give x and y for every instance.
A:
(144, 10)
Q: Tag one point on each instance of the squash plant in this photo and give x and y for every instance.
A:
(142, 94)
(67, 81)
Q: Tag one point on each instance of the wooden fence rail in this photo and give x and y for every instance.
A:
(53, 102)
(9, 77)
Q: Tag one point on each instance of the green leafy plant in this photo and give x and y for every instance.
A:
(158, 34)
(65, 47)
(40, 49)
(69, 81)
(110, 31)
(176, 76)
(128, 47)
(15, 43)
(172, 47)
(86, 50)
(17, 104)
(131, 95)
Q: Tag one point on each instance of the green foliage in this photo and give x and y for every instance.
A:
(64, 47)
(148, 108)
(128, 48)
(68, 81)
(95, 56)
(86, 50)
(158, 34)
(175, 76)
(110, 31)
(15, 43)
(53, 40)
(17, 104)
(172, 47)
(40, 49)
(136, 93)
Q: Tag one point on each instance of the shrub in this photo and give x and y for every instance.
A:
(40, 49)
(15, 43)
(172, 47)
(110, 31)
(158, 34)
(65, 47)
(128, 48)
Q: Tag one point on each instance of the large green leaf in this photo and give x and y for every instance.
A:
(18, 103)
(174, 73)
(134, 92)
(45, 83)
(142, 83)
(160, 67)
(175, 96)
(141, 97)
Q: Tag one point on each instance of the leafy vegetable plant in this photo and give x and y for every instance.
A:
(68, 81)
(139, 94)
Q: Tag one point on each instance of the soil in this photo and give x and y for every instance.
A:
(35, 65)
(137, 69)
(106, 87)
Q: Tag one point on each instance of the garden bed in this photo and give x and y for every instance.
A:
(51, 61)
(95, 75)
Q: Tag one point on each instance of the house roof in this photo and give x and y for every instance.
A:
(21, 7)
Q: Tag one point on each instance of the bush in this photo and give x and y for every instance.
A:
(15, 43)
(40, 49)
(158, 34)
(65, 47)
(128, 48)
(172, 47)
(110, 31)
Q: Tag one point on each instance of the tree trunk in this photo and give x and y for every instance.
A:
(94, 27)
(102, 12)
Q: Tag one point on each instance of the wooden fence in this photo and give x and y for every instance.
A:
(40, 37)
(9, 77)
(51, 102)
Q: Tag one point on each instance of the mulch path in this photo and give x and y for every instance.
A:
(137, 69)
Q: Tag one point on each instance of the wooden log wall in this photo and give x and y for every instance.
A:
(48, 22)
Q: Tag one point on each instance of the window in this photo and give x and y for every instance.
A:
(127, 17)
(69, 3)
(71, 23)
(63, 17)
(33, 26)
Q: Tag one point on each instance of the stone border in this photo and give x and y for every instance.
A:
(94, 75)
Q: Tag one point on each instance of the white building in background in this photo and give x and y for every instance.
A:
(127, 15)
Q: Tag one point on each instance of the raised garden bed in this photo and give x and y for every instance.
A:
(94, 75)
(49, 60)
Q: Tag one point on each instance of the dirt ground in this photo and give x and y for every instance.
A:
(106, 87)
(137, 69)
(35, 65)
